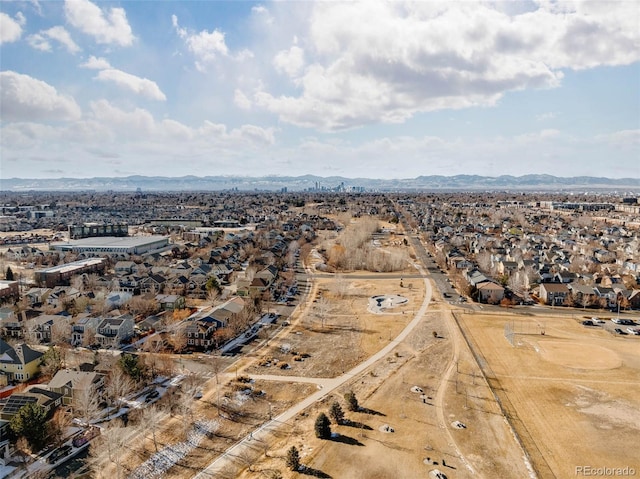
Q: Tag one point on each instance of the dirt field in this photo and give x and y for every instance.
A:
(345, 325)
(572, 392)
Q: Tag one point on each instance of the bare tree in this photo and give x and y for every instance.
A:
(153, 346)
(150, 422)
(178, 338)
(86, 404)
(322, 309)
(114, 440)
(117, 386)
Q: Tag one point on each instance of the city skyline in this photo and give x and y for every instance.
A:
(375, 90)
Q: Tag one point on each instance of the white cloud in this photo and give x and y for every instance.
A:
(106, 27)
(182, 33)
(388, 61)
(141, 86)
(139, 126)
(622, 139)
(260, 11)
(10, 29)
(207, 47)
(25, 98)
(96, 63)
(241, 100)
(290, 61)
(549, 115)
(40, 41)
(62, 35)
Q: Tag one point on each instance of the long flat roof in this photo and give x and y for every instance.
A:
(111, 241)
(62, 268)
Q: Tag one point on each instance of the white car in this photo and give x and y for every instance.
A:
(634, 331)
(597, 320)
(616, 320)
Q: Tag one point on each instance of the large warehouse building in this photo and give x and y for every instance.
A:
(112, 246)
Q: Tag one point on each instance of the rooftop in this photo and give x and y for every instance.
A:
(112, 241)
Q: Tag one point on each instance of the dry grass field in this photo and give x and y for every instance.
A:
(342, 335)
(423, 438)
(572, 393)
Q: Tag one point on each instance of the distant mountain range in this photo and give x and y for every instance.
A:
(310, 182)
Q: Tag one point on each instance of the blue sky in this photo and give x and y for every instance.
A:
(374, 89)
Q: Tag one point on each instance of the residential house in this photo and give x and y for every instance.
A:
(565, 277)
(8, 290)
(84, 329)
(70, 384)
(115, 330)
(554, 294)
(489, 292)
(10, 324)
(507, 267)
(607, 296)
(36, 296)
(19, 363)
(39, 328)
(115, 299)
(474, 277)
(59, 295)
(268, 274)
(153, 283)
(634, 299)
(583, 294)
(49, 400)
(153, 322)
(123, 268)
(200, 334)
(169, 302)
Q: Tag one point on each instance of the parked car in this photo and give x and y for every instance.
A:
(619, 331)
(59, 453)
(634, 331)
(588, 322)
(151, 395)
(597, 320)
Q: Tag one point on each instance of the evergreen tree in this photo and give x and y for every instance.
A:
(30, 422)
(336, 413)
(293, 458)
(323, 426)
(352, 401)
(9, 274)
(130, 364)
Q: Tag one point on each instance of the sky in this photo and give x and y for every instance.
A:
(361, 90)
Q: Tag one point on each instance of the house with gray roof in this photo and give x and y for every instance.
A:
(18, 363)
(70, 383)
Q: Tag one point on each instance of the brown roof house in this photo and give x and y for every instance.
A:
(554, 293)
(70, 383)
(489, 292)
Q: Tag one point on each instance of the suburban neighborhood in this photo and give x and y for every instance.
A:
(119, 309)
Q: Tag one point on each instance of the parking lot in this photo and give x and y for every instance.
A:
(616, 325)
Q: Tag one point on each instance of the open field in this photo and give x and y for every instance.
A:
(331, 323)
(572, 393)
(423, 438)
